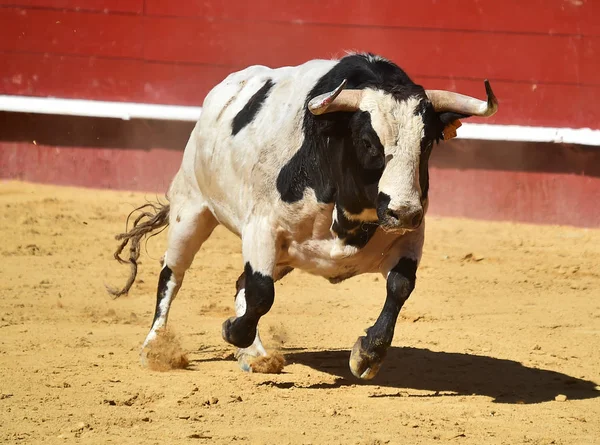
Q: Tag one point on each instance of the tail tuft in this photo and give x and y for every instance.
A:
(151, 218)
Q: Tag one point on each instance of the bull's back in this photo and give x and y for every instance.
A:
(250, 126)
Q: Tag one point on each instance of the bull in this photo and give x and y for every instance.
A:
(321, 167)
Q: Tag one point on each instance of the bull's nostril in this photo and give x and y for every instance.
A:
(406, 217)
(416, 220)
(391, 214)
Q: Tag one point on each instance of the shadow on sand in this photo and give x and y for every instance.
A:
(505, 381)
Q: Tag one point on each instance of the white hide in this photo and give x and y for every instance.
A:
(235, 176)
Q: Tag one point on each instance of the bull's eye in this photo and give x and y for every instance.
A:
(371, 155)
(371, 149)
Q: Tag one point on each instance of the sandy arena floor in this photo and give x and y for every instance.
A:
(505, 319)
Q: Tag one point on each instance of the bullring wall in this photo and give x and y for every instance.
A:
(541, 57)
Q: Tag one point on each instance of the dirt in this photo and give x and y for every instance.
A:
(165, 352)
(272, 363)
(499, 343)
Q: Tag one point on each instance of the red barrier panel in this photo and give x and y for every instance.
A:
(541, 198)
(111, 168)
(551, 105)
(541, 56)
(423, 52)
(104, 6)
(80, 33)
(532, 16)
(534, 197)
(97, 78)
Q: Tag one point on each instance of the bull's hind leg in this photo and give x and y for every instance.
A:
(245, 356)
(190, 224)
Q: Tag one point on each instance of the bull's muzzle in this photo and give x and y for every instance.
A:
(406, 216)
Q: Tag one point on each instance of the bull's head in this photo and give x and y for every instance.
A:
(396, 131)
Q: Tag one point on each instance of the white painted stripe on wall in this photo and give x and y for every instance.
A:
(132, 110)
(98, 108)
(583, 136)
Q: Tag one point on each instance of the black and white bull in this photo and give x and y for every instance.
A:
(321, 167)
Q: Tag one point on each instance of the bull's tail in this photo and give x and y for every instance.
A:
(152, 217)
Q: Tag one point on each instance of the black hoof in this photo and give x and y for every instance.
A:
(238, 333)
(365, 361)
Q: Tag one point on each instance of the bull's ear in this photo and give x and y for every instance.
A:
(450, 130)
(450, 116)
(451, 122)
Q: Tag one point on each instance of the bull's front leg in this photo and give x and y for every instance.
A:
(259, 295)
(370, 350)
(258, 250)
(247, 356)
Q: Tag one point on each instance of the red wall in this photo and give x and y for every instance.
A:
(542, 56)
(568, 194)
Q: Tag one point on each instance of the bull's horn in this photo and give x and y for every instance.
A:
(336, 100)
(459, 103)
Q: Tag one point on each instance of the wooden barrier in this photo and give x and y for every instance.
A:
(542, 57)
